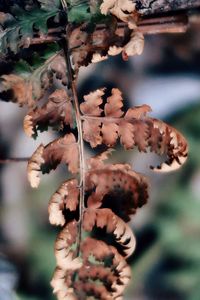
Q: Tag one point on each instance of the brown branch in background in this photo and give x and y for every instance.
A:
(169, 24)
(44, 40)
(165, 24)
(13, 160)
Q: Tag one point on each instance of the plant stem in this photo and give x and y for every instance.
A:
(14, 159)
(102, 119)
(73, 88)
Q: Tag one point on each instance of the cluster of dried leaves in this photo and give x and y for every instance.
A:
(96, 45)
(23, 27)
(94, 206)
(80, 263)
(109, 124)
(83, 262)
(31, 87)
(94, 260)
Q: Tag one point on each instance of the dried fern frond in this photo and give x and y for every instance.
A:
(98, 262)
(133, 128)
(62, 150)
(66, 197)
(57, 112)
(105, 218)
(31, 85)
(21, 89)
(117, 181)
(92, 47)
(122, 9)
(87, 259)
(94, 206)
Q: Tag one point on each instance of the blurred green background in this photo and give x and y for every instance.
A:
(166, 264)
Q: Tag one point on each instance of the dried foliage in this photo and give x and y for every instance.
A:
(33, 84)
(45, 159)
(97, 45)
(94, 205)
(57, 112)
(133, 128)
(21, 88)
(66, 197)
(122, 9)
(118, 181)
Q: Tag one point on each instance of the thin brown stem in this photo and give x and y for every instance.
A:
(73, 87)
(103, 119)
(44, 40)
(14, 160)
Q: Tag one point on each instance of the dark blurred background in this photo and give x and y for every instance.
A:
(166, 264)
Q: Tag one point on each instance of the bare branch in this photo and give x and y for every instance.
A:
(13, 160)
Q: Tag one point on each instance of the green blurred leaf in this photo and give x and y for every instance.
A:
(21, 30)
(79, 13)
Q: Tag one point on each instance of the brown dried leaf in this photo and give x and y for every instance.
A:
(126, 134)
(78, 43)
(91, 103)
(78, 37)
(135, 46)
(58, 67)
(57, 111)
(112, 279)
(99, 272)
(175, 146)
(105, 218)
(66, 197)
(119, 270)
(97, 161)
(137, 112)
(97, 57)
(79, 58)
(141, 134)
(126, 187)
(110, 133)
(67, 262)
(60, 288)
(96, 291)
(34, 166)
(91, 132)
(134, 129)
(155, 140)
(122, 9)
(65, 256)
(62, 150)
(21, 88)
(114, 104)
(114, 50)
(165, 145)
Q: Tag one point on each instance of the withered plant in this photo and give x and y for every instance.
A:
(43, 44)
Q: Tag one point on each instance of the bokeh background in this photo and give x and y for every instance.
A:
(166, 264)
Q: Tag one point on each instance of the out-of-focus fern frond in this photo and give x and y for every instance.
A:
(19, 29)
